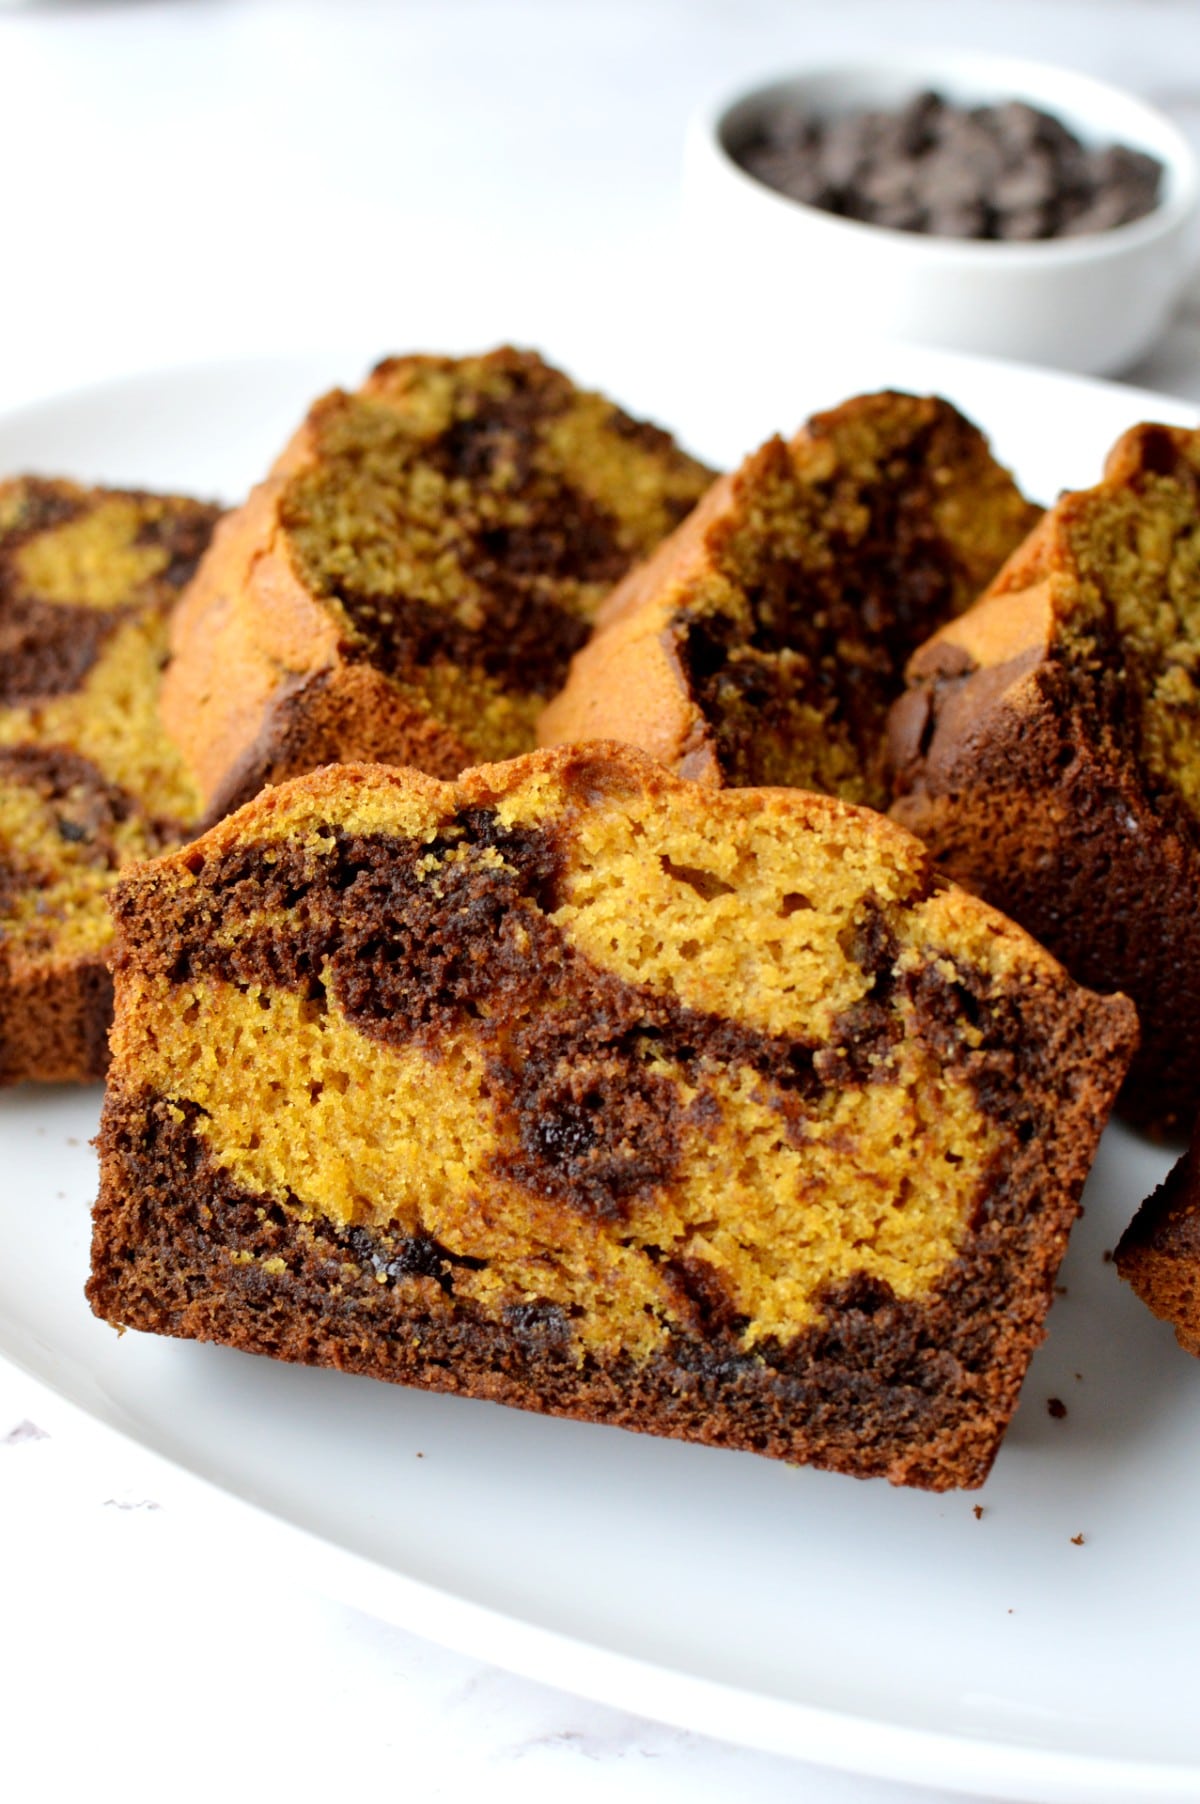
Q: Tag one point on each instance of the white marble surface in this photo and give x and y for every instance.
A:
(213, 176)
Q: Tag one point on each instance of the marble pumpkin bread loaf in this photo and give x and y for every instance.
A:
(1048, 750)
(767, 638)
(1159, 1252)
(410, 582)
(88, 780)
(577, 1087)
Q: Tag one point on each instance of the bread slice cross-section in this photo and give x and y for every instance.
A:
(576, 1086)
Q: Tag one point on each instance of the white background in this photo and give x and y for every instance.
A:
(217, 176)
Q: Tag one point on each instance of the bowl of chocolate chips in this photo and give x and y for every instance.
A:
(982, 203)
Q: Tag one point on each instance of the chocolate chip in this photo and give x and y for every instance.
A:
(796, 173)
(846, 148)
(788, 129)
(917, 123)
(967, 148)
(904, 216)
(1030, 184)
(1030, 223)
(1015, 127)
(966, 219)
(946, 179)
(886, 183)
(1113, 207)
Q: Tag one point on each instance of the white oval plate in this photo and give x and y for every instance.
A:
(885, 1632)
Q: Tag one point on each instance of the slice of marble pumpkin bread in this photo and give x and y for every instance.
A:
(411, 580)
(577, 1087)
(1047, 750)
(89, 782)
(767, 638)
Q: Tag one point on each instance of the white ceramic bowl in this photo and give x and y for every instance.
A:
(1092, 303)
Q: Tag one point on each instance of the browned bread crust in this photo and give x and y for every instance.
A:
(574, 1087)
(88, 781)
(765, 640)
(1041, 751)
(410, 581)
(54, 1019)
(1159, 1252)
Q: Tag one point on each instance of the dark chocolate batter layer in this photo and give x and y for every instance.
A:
(880, 592)
(48, 648)
(183, 534)
(525, 636)
(44, 503)
(87, 805)
(526, 640)
(915, 1391)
